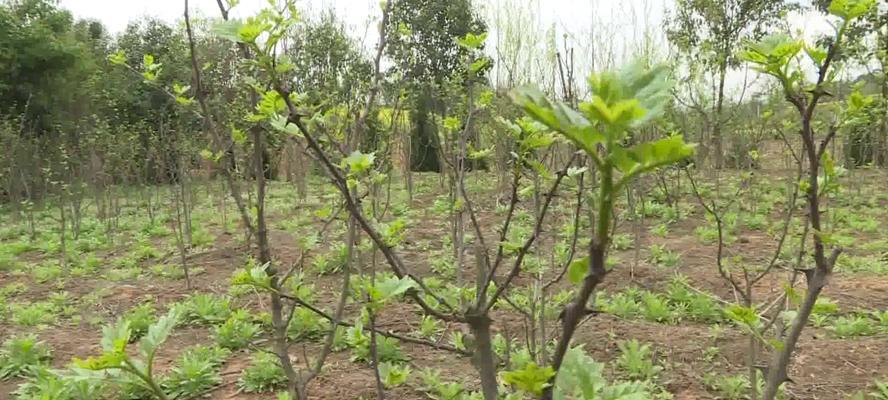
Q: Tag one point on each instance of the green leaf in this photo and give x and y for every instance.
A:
(558, 117)
(118, 58)
(248, 32)
(579, 377)
(650, 155)
(481, 154)
(472, 41)
(850, 9)
(282, 124)
(358, 162)
(577, 270)
(479, 65)
(389, 287)
(772, 53)
(816, 53)
(227, 30)
(746, 316)
(158, 333)
(829, 166)
(256, 277)
(531, 379)
(631, 96)
(104, 361)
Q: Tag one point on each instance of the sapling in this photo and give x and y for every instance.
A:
(114, 357)
(777, 56)
(620, 102)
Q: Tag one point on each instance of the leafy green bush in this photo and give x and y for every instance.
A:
(655, 308)
(46, 273)
(136, 374)
(215, 354)
(306, 325)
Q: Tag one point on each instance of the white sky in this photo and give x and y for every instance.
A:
(618, 23)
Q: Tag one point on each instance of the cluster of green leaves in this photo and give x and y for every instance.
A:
(636, 360)
(677, 304)
(205, 308)
(38, 314)
(195, 372)
(306, 325)
(662, 256)
(114, 357)
(580, 377)
(237, 332)
(393, 375)
(434, 387)
(139, 319)
(620, 101)
(23, 356)
(61, 385)
(263, 375)
(387, 349)
(728, 387)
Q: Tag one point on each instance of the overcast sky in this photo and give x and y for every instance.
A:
(623, 22)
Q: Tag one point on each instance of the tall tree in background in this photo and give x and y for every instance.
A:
(423, 46)
(330, 65)
(709, 33)
(37, 51)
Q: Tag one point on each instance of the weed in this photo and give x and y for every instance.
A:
(191, 376)
(306, 325)
(622, 305)
(636, 360)
(36, 314)
(845, 327)
(46, 273)
(140, 318)
(728, 387)
(655, 308)
(263, 375)
(393, 375)
(205, 309)
(21, 356)
(622, 242)
(662, 256)
(429, 327)
(237, 332)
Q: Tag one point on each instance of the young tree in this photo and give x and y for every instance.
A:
(778, 56)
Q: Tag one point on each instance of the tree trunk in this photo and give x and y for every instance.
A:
(483, 357)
